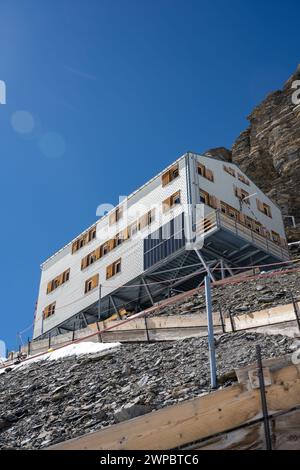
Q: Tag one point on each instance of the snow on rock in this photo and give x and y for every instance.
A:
(75, 349)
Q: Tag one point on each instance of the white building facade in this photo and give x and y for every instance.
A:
(137, 253)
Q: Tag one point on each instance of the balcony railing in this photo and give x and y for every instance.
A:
(216, 220)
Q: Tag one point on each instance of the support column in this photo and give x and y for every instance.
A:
(114, 306)
(205, 265)
(148, 291)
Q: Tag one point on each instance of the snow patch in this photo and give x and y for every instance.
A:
(77, 349)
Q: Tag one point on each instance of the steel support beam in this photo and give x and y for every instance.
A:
(148, 290)
(248, 255)
(205, 265)
(84, 319)
(115, 306)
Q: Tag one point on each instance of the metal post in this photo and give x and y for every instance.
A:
(99, 303)
(263, 399)
(99, 334)
(73, 333)
(49, 342)
(296, 311)
(148, 291)
(147, 331)
(222, 318)
(222, 269)
(28, 347)
(211, 340)
(231, 320)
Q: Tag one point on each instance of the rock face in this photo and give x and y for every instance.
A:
(73, 396)
(269, 150)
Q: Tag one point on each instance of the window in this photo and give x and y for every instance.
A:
(204, 197)
(90, 258)
(257, 226)
(66, 276)
(84, 239)
(205, 172)
(228, 210)
(242, 195)
(146, 219)
(243, 179)
(91, 283)
(58, 281)
(49, 310)
(248, 222)
(264, 208)
(116, 215)
(104, 249)
(275, 237)
(171, 201)
(133, 229)
(170, 175)
(119, 239)
(113, 269)
(229, 170)
(92, 234)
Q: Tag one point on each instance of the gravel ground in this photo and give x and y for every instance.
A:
(47, 402)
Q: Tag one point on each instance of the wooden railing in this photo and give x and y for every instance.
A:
(216, 220)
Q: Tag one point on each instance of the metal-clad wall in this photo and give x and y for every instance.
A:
(70, 298)
(223, 188)
(164, 242)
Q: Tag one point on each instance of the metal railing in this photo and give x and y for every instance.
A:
(217, 219)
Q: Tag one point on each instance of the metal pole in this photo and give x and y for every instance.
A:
(211, 340)
(263, 399)
(222, 318)
(296, 311)
(231, 319)
(147, 331)
(99, 303)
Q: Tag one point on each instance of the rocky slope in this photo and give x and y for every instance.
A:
(50, 401)
(246, 296)
(269, 150)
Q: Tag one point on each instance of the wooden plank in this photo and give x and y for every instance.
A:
(269, 316)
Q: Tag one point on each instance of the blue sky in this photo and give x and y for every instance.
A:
(102, 94)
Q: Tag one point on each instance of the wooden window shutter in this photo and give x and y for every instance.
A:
(237, 192)
(259, 205)
(109, 271)
(125, 234)
(84, 262)
(209, 175)
(143, 221)
(98, 252)
(95, 281)
(111, 244)
(74, 247)
(49, 287)
(45, 312)
(241, 218)
(165, 179)
(167, 204)
(213, 201)
(113, 218)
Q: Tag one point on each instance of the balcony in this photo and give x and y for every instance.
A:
(216, 221)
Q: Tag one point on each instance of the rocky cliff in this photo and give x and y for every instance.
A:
(269, 150)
